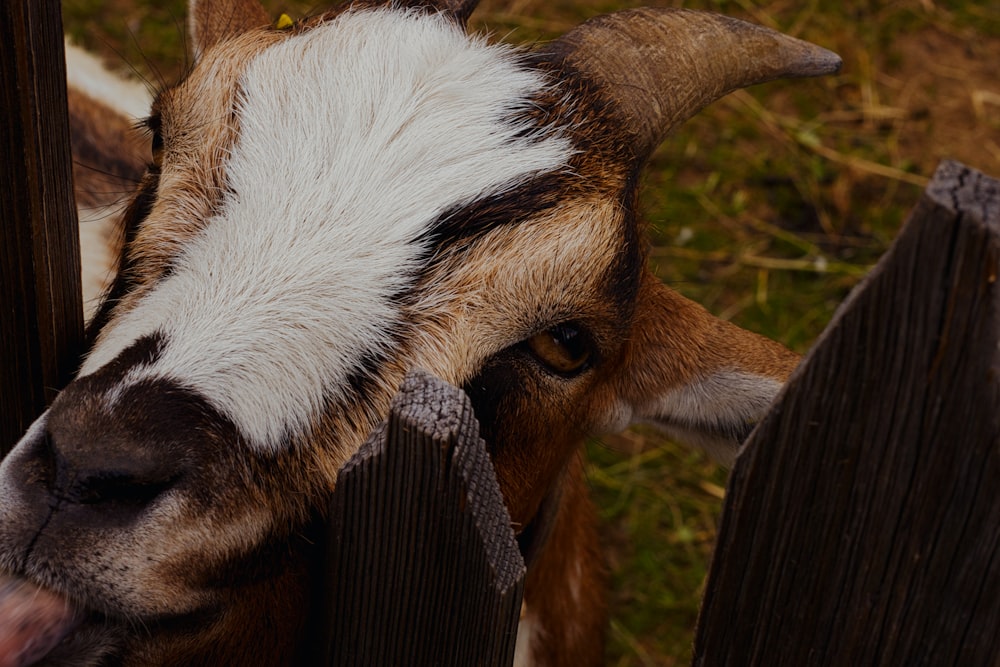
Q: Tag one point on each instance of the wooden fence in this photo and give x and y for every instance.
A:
(424, 568)
(41, 311)
(860, 526)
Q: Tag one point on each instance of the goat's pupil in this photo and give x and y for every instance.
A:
(579, 345)
(570, 338)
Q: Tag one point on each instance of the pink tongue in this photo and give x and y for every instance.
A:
(32, 621)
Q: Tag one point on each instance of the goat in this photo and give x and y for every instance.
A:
(330, 204)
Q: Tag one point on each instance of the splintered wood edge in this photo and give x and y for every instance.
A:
(427, 404)
(437, 408)
(444, 411)
(966, 191)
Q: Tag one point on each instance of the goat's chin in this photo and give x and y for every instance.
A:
(95, 642)
(102, 640)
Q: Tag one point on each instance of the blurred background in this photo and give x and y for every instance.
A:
(766, 208)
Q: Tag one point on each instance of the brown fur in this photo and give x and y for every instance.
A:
(565, 588)
(697, 343)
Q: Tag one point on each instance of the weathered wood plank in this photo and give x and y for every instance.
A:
(862, 525)
(41, 312)
(424, 566)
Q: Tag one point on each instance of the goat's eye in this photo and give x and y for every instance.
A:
(156, 145)
(564, 349)
(154, 125)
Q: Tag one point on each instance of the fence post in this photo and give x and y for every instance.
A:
(862, 525)
(41, 320)
(423, 565)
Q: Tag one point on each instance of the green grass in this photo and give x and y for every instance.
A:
(767, 208)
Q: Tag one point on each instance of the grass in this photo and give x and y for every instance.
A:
(767, 208)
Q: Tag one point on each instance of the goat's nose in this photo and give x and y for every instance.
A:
(125, 452)
(91, 469)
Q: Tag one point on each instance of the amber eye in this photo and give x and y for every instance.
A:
(564, 349)
(154, 125)
(156, 145)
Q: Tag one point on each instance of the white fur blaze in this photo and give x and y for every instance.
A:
(353, 138)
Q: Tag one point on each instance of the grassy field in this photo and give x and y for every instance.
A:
(767, 208)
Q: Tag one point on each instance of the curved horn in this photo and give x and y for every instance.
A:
(660, 66)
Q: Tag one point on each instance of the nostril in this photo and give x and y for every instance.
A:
(120, 477)
(126, 453)
(117, 488)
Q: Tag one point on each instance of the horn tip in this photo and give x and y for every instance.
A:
(824, 62)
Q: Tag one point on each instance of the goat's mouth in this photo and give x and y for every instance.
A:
(33, 621)
(38, 624)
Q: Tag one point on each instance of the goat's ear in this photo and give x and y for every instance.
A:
(703, 381)
(214, 21)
